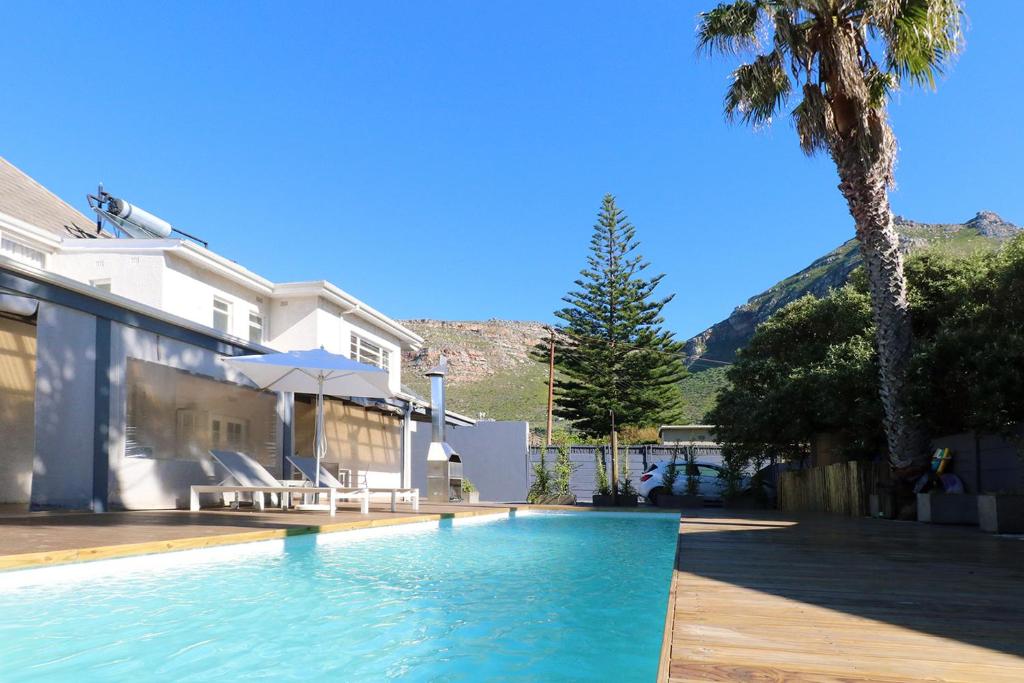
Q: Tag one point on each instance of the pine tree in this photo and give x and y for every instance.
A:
(616, 364)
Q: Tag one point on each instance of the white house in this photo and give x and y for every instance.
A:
(120, 340)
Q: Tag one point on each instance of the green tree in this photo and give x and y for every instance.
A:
(810, 368)
(846, 57)
(968, 370)
(616, 364)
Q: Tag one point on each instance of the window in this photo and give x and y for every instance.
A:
(227, 433)
(709, 472)
(21, 252)
(221, 314)
(256, 328)
(367, 352)
(102, 285)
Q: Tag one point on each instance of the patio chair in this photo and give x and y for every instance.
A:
(307, 466)
(253, 478)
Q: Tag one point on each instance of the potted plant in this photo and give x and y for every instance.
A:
(603, 491)
(561, 493)
(469, 492)
(690, 499)
(541, 486)
(1001, 513)
(627, 497)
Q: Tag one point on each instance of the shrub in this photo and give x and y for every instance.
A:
(671, 474)
(541, 485)
(601, 475)
(563, 469)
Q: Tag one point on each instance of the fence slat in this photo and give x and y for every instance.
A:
(842, 488)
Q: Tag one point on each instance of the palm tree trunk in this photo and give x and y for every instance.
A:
(864, 183)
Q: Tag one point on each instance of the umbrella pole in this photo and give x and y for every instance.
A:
(319, 427)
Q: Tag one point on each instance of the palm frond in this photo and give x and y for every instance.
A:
(758, 90)
(813, 120)
(729, 27)
(921, 36)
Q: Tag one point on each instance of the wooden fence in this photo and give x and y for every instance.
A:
(842, 488)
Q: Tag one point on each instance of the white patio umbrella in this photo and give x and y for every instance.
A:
(318, 372)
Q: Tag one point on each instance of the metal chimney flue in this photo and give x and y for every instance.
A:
(444, 466)
(437, 404)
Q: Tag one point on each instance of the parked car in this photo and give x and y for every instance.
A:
(710, 483)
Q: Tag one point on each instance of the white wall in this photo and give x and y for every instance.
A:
(189, 291)
(293, 323)
(136, 276)
(64, 402)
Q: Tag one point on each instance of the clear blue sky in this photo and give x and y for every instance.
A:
(353, 141)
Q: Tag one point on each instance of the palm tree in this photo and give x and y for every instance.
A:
(842, 59)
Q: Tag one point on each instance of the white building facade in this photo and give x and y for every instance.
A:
(120, 341)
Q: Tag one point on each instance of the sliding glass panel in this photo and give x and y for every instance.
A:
(173, 414)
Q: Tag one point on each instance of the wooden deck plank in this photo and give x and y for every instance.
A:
(765, 597)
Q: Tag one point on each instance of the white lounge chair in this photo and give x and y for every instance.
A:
(307, 466)
(248, 476)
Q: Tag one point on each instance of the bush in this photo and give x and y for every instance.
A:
(671, 474)
(563, 469)
(601, 475)
(541, 485)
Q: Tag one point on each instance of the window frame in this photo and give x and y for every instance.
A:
(259, 324)
(358, 352)
(227, 312)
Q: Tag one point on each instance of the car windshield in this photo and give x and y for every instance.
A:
(650, 468)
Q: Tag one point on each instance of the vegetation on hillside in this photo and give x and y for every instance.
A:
(984, 233)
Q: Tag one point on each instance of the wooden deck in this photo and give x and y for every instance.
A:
(766, 597)
(40, 539)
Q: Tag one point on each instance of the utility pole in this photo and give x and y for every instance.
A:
(551, 382)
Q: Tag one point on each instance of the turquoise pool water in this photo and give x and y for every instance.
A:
(538, 597)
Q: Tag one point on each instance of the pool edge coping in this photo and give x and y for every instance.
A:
(665, 658)
(50, 558)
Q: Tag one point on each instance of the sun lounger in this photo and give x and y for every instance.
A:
(307, 466)
(245, 475)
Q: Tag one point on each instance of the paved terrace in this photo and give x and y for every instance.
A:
(39, 539)
(766, 597)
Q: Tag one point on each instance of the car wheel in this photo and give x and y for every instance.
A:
(652, 496)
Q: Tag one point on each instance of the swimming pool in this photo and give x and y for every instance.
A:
(536, 596)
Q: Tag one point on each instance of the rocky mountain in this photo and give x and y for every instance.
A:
(491, 371)
(489, 366)
(719, 342)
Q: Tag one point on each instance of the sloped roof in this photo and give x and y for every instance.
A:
(23, 198)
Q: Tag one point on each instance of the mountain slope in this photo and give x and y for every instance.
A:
(491, 371)
(720, 341)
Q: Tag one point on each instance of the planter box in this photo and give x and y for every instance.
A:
(1001, 514)
(610, 501)
(471, 497)
(947, 508)
(680, 502)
